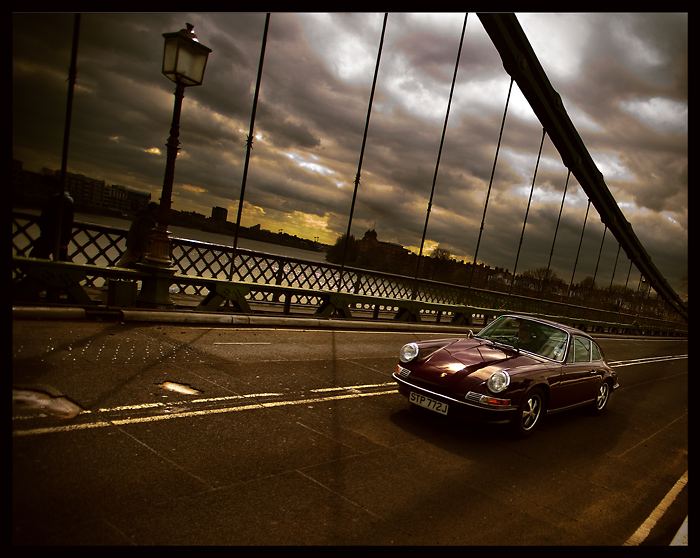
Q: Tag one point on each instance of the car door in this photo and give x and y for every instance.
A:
(599, 365)
(580, 376)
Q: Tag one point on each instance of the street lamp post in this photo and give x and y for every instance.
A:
(184, 62)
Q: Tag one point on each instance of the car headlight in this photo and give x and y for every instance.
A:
(498, 381)
(408, 352)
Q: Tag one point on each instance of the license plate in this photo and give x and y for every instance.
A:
(432, 404)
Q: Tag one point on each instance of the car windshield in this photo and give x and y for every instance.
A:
(527, 335)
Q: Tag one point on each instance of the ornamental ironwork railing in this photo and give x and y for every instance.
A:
(102, 246)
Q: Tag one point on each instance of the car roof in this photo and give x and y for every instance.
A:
(552, 323)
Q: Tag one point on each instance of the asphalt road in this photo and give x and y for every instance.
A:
(293, 437)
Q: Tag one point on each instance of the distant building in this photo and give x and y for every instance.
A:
(219, 214)
(389, 252)
(89, 194)
(85, 191)
(190, 219)
(500, 276)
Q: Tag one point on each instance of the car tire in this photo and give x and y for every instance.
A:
(530, 413)
(602, 399)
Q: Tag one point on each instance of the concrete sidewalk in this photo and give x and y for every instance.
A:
(242, 320)
(681, 538)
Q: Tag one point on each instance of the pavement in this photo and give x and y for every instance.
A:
(240, 320)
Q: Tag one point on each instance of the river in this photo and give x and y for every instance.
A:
(205, 236)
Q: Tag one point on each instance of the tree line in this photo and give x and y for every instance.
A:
(542, 282)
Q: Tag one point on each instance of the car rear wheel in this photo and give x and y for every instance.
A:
(529, 413)
(602, 399)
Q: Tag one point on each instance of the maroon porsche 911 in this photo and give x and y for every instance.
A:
(515, 370)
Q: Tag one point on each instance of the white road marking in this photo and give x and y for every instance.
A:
(355, 391)
(646, 527)
(104, 422)
(633, 362)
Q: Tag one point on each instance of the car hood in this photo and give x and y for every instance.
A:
(457, 359)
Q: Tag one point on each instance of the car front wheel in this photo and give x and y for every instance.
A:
(529, 413)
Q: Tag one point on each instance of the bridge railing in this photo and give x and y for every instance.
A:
(277, 283)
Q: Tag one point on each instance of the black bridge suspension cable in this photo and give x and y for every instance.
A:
(488, 192)
(595, 273)
(527, 210)
(362, 153)
(520, 61)
(437, 164)
(249, 142)
(72, 76)
(619, 247)
(583, 230)
(554, 240)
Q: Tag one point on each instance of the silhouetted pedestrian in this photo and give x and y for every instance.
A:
(48, 221)
(138, 240)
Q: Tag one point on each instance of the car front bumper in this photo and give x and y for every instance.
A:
(468, 409)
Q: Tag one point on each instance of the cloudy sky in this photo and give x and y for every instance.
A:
(622, 77)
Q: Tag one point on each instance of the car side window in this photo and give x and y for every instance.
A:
(596, 353)
(580, 350)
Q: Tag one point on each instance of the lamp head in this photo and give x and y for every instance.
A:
(184, 57)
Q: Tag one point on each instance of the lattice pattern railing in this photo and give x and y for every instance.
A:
(91, 243)
(102, 246)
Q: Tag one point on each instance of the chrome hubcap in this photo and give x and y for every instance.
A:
(603, 393)
(531, 412)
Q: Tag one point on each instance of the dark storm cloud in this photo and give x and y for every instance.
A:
(623, 79)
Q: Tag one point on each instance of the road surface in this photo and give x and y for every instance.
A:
(145, 434)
